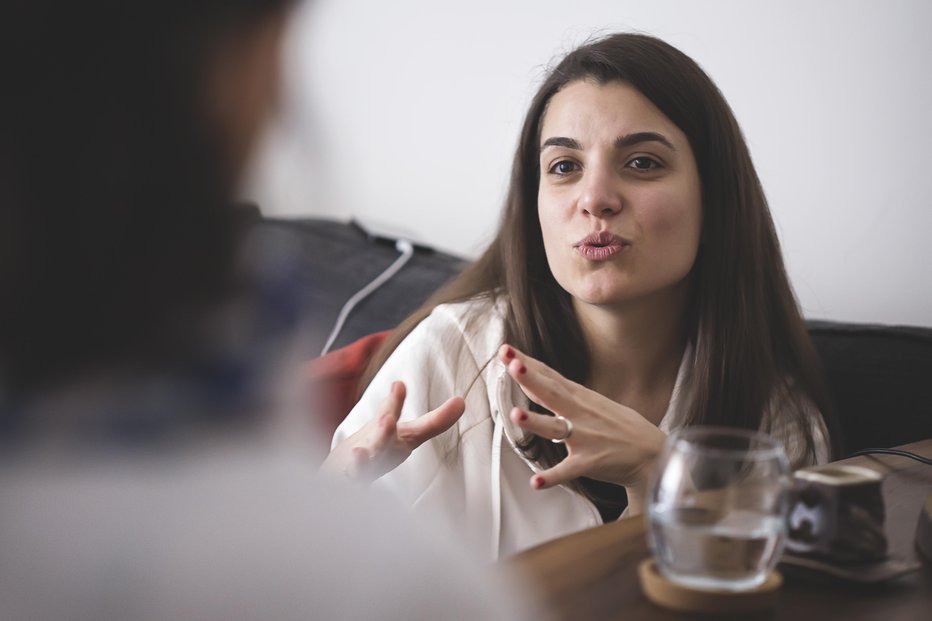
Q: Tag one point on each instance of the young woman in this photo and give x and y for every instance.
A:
(635, 286)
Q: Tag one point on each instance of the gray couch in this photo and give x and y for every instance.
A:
(880, 377)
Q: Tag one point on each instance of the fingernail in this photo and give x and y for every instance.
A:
(522, 370)
(509, 353)
(522, 416)
(538, 482)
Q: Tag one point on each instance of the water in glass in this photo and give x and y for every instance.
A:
(717, 508)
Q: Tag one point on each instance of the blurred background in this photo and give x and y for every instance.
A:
(417, 106)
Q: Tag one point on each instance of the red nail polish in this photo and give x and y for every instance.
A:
(509, 353)
(522, 370)
(522, 416)
(538, 483)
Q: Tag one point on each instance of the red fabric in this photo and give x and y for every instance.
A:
(333, 379)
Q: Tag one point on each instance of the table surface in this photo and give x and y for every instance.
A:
(593, 574)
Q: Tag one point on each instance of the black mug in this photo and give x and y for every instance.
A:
(837, 514)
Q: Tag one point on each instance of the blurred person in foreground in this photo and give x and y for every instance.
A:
(151, 468)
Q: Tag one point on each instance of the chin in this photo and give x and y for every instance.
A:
(600, 296)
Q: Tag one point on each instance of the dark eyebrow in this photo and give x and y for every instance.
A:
(560, 141)
(628, 140)
(637, 138)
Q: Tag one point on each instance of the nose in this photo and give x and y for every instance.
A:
(599, 194)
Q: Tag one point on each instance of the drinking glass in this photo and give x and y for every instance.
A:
(717, 507)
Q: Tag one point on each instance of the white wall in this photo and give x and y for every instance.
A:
(407, 112)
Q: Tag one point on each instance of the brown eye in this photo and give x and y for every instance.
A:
(564, 167)
(643, 163)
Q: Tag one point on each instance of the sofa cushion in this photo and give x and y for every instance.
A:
(337, 259)
(880, 378)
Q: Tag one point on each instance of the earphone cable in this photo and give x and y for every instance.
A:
(406, 249)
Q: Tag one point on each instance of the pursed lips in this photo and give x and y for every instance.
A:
(600, 246)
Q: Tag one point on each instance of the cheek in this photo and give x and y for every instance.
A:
(673, 216)
(552, 220)
(674, 228)
(553, 227)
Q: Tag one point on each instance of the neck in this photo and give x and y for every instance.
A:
(635, 347)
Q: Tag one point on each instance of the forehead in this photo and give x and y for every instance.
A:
(591, 112)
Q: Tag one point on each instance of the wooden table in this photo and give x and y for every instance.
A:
(593, 574)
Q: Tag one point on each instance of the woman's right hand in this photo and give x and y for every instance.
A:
(383, 443)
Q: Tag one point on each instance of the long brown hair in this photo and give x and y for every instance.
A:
(749, 339)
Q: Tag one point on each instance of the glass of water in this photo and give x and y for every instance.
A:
(717, 507)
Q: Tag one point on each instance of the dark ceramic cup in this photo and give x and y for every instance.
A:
(836, 514)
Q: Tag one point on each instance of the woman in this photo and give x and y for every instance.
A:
(635, 286)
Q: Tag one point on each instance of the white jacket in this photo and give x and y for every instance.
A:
(473, 477)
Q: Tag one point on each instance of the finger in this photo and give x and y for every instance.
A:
(549, 427)
(386, 421)
(391, 405)
(507, 353)
(563, 472)
(538, 381)
(432, 424)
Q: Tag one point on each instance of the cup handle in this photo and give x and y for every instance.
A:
(809, 519)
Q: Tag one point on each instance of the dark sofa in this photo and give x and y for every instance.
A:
(880, 377)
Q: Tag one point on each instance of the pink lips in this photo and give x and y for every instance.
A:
(600, 246)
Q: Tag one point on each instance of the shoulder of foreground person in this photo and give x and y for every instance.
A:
(232, 536)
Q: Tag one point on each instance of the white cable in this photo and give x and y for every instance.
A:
(407, 251)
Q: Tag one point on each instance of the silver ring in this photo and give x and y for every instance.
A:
(569, 430)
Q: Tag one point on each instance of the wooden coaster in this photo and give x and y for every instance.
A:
(667, 594)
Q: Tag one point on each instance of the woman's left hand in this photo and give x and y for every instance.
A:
(609, 441)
